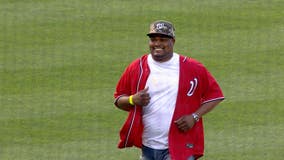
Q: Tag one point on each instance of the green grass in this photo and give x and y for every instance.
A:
(60, 62)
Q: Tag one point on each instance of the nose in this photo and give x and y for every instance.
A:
(157, 43)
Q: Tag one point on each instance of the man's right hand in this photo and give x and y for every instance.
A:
(142, 98)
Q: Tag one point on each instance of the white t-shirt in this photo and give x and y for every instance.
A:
(157, 115)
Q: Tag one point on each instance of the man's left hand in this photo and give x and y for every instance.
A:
(185, 123)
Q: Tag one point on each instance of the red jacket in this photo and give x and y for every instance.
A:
(196, 86)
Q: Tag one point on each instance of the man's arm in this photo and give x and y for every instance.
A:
(141, 98)
(123, 103)
(186, 122)
(207, 107)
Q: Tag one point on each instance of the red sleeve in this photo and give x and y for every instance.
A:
(127, 82)
(212, 90)
(123, 85)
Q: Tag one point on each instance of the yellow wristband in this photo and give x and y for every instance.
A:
(131, 100)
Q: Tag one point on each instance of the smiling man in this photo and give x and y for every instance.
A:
(161, 41)
(166, 95)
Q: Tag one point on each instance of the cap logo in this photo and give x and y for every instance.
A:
(161, 26)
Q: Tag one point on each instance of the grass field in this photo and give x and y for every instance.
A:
(60, 61)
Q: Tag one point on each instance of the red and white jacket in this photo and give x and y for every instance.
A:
(196, 87)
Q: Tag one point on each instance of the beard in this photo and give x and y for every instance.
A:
(161, 55)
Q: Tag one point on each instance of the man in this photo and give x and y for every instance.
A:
(166, 94)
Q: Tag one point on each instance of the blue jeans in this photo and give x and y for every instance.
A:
(157, 154)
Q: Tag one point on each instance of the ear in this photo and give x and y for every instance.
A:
(173, 40)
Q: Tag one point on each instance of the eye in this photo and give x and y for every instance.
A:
(164, 40)
(153, 40)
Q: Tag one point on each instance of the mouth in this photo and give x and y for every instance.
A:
(158, 49)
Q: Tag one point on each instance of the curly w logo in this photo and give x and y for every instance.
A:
(193, 85)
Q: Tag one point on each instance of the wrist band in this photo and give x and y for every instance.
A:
(131, 100)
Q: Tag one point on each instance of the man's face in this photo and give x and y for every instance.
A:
(161, 47)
